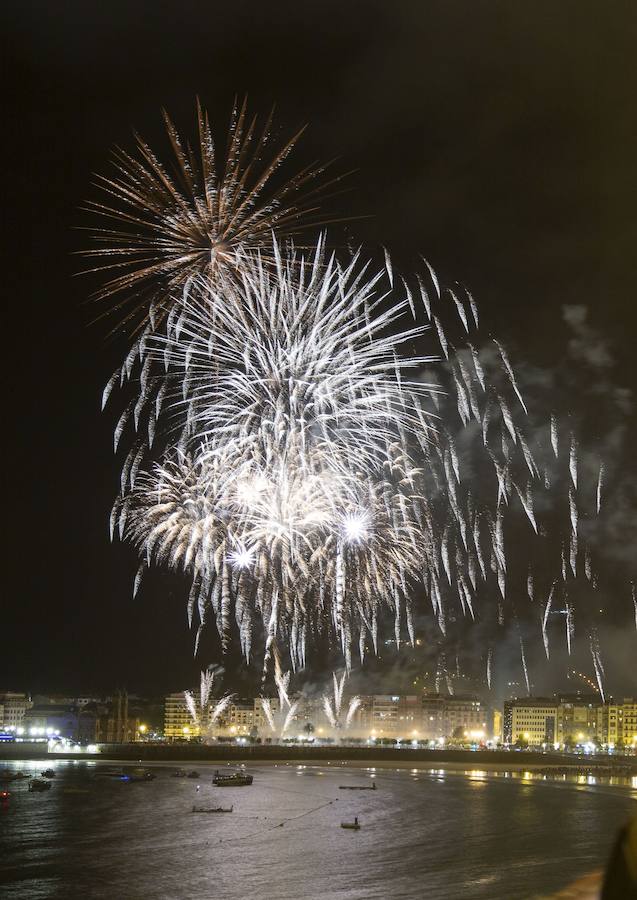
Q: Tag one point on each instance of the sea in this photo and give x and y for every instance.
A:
(425, 833)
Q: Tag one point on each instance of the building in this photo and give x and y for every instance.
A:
(466, 717)
(580, 719)
(387, 715)
(240, 718)
(178, 724)
(532, 720)
(458, 716)
(52, 721)
(619, 722)
(13, 707)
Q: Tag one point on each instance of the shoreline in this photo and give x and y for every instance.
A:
(354, 758)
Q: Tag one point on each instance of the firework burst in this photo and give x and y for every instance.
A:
(317, 441)
(169, 224)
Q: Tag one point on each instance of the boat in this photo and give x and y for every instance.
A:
(353, 826)
(235, 779)
(48, 773)
(179, 773)
(38, 784)
(13, 776)
(193, 774)
(212, 809)
(137, 779)
(357, 787)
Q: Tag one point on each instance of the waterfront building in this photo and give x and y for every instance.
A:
(466, 717)
(619, 722)
(580, 719)
(388, 715)
(532, 720)
(51, 721)
(458, 716)
(239, 718)
(13, 706)
(178, 723)
(433, 718)
(63, 700)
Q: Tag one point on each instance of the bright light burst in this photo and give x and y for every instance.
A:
(318, 443)
(192, 217)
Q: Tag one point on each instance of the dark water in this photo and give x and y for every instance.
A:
(425, 834)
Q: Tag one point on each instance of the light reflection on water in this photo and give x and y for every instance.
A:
(472, 833)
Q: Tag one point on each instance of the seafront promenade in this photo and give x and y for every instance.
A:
(182, 753)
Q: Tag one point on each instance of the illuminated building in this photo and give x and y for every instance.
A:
(13, 707)
(239, 718)
(178, 723)
(50, 719)
(532, 720)
(619, 726)
(579, 719)
(442, 716)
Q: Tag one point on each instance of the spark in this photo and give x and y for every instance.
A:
(162, 230)
(317, 443)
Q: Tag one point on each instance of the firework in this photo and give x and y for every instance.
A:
(279, 716)
(316, 441)
(202, 711)
(312, 477)
(333, 705)
(166, 224)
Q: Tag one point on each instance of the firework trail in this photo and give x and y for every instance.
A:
(279, 719)
(597, 663)
(316, 441)
(333, 704)
(202, 712)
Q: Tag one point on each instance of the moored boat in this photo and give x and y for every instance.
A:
(38, 784)
(353, 826)
(48, 773)
(235, 779)
(357, 787)
(212, 809)
(137, 779)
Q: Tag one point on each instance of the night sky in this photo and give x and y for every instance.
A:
(497, 138)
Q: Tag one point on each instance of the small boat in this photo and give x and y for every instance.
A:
(37, 784)
(13, 776)
(235, 779)
(48, 773)
(193, 774)
(353, 826)
(179, 773)
(212, 809)
(357, 787)
(138, 779)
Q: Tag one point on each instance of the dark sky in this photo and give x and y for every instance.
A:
(497, 138)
